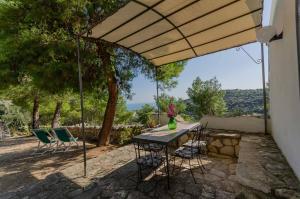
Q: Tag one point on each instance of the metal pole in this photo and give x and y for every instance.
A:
(157, 102)
(81, 103)
(264, 87)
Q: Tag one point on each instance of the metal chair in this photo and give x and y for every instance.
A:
(202, 142)
(148, 156)
(46, 139)
(64, 136)
(192, 151)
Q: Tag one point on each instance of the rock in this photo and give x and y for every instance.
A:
(212, 149)
(90, 186)
(180, 195)
(227, 150)
(119, 194)
(227, 142)
(232, 168)
(217, 143)
(212, 178)
(208, 192)
(226, 135)
(136, 194)
(247, 195)
(224, 195)
(74, 193)
(286, 193)
(235, 141)
(237, 150)
(183, 139)
(219, 155)
(193, 189)
(218, 173)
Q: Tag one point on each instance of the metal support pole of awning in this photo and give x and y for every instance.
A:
(81, 103)
(157, 99)
(262, 62)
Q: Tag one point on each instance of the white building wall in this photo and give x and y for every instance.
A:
(240, 123)
(284, 86)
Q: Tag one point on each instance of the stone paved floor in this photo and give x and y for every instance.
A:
(262, 167)
(113, 175)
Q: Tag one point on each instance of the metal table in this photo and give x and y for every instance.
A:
(164, 136)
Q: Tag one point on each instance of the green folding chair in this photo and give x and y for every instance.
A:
(64, 136)
(46, 141)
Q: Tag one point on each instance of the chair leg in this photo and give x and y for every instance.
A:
(200, 164)
(56, 148)
(68, 147)
(180, 166)
(37, 149)
(199, 157)
(173, 165)
(192, 171)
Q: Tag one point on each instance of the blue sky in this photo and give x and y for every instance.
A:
(232, 68)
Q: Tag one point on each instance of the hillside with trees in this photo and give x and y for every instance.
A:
(244, 102)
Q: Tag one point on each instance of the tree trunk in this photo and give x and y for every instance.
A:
(112, 85)
(35, 113)
(56, 116)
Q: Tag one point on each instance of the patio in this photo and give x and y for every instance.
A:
(260, 172)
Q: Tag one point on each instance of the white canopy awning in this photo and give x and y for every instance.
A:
(165, 31)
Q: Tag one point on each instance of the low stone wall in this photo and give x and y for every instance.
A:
(121, 134)
(224, 145)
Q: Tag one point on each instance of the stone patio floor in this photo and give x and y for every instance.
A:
(112, 174)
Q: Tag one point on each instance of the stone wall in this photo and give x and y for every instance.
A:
(224, 145)
(121, 134)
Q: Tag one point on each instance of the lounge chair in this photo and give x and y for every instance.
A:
(64, 136)
(46, 139)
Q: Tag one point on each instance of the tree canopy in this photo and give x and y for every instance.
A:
(206, 98)
(164, 101)
(38, 44)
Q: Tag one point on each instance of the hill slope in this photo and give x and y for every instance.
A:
(244, 102)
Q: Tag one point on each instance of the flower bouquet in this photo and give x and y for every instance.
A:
(172, 114)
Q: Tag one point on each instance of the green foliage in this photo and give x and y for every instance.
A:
(206, 98)
(145, 115)
(14, 117)
(38, 57)
(121, 134)
(166, 75)
(244, 102)
(164, 101)
(124, 135)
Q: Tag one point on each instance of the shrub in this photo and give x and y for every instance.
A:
(144, 115)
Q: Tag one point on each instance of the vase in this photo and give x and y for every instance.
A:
(172, 123)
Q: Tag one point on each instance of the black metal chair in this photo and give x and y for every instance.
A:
(191, 151)
(148, 156)
(202, 141)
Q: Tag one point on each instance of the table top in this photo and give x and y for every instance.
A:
(163, 135)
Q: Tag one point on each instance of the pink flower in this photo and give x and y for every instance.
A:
(171, 111)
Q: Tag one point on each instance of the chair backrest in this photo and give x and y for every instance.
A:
(196, 134)
(62, 134)
(42, 135)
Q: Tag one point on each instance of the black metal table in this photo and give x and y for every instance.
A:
(164, 136)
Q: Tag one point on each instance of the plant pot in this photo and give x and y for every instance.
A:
(172, 123)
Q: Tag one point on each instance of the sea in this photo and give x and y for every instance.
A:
(137, 106)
